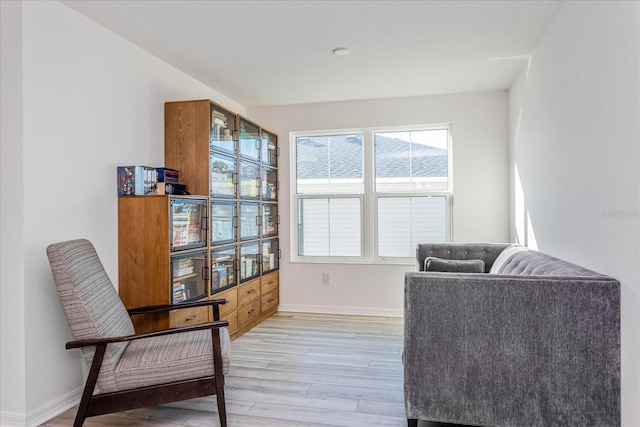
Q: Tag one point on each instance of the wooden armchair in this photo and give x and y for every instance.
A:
(129, 370)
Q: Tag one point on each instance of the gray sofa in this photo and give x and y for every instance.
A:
(527, 340)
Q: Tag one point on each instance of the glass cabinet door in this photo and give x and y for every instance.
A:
(223, 124)
(269, 178)
(249, 180)
(270, 255)
(188, 277)
(269, 147)
(187, 223)
(249, 261)
(223, 170)
(250, 219)
(270, 219)
(223, 221)
(223, 268)
(249, 140)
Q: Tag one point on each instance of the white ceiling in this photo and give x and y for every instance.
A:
(263, 53)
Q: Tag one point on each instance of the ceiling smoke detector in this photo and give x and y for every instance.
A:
(341, 51)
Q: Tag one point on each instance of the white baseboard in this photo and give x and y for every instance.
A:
(11, 419)
(348, 311)
(53, 409)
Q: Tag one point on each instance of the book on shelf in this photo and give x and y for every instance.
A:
(250, 267)
(218, 277)
(179, 293)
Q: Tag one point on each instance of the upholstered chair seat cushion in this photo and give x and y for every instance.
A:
(152, 361)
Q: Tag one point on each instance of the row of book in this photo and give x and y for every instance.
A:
(146, 180)
(219, 277)
(184, 291)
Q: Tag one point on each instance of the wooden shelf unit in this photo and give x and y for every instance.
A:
(212, 149)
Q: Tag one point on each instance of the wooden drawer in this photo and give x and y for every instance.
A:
(248, 291)
(269, 300)
(249, 312)
(189, 316)
(269, 282)
(231, 295)
(232, 318)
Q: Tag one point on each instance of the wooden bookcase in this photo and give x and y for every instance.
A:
(229, 162)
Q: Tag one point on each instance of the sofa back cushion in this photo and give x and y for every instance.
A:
(505, 257)
(454, 265)
(517, 259)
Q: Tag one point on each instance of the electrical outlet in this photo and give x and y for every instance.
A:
(326, 278)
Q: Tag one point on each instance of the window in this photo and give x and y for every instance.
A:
(411, 181)
(329, 180)
(370, 195)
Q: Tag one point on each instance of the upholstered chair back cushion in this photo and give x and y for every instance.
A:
(90, 302)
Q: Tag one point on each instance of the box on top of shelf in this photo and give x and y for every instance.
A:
(137, 180)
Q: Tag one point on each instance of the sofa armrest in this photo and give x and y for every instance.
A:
(512, 350)
(488, 252)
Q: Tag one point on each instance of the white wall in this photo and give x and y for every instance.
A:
(91, 101)
(574, 141)
(12, 293)
(481, 195)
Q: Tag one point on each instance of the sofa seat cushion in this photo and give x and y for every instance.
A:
(149, 361)
(454, 265)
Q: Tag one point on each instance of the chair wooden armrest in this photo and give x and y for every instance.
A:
(214, 303)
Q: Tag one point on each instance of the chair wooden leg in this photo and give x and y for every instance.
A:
(219, 376)
(222, 411)
(412, 422)
(90, 385)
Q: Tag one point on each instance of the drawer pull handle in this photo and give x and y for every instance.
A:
(190, 318)
(271, 300)
(270, 282)
(251, 311)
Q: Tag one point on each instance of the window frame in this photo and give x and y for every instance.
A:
(369, 198)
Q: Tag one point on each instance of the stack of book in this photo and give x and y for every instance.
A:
(184, 267)
(137, 180)
(179, 293)
(168, 182)
(167, 175)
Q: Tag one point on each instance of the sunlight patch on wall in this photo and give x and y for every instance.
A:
(520, 223)
(525, 234)
(532, 242)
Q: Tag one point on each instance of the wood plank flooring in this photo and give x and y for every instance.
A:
(296, 369)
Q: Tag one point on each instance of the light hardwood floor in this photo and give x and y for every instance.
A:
(296, 370)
